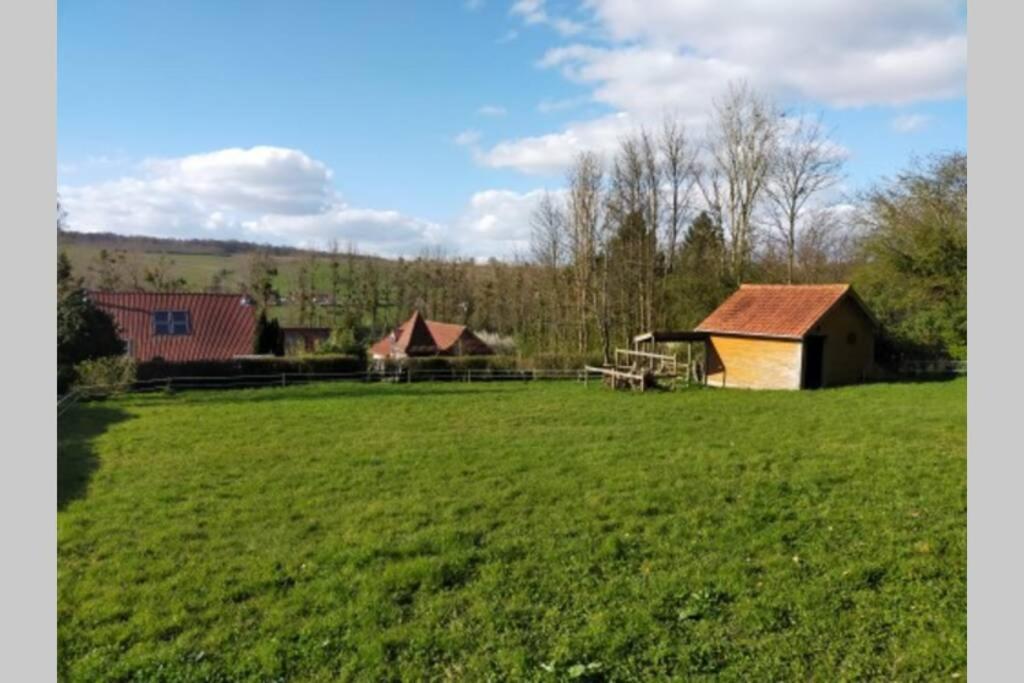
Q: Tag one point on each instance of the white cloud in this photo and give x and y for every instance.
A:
(533, 12)
(282, 196)
(491, 110)
(675, 56)
(100, 162)
(508, 36)
(644, 80)
(496, 223)
(909, 123)
(264, 194)
(547, 154)
(467, 138)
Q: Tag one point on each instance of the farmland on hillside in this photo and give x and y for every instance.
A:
(509, 531)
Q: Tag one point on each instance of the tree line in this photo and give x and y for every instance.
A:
(659, 234)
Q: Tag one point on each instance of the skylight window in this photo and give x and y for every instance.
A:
(171, 322)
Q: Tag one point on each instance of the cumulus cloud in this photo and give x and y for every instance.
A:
(283, 196)
(264, 194)
(496, 223)
(551, 153)
(674, 56)
(909, 123)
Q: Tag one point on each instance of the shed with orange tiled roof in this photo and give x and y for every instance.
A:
(789, 337)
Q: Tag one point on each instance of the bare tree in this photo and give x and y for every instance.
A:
(107, 270)
(161, 276)
(741, 148)
(825, 246)
(806, 163)
(547, 232)
(626, 237)
(260, 275)
(548, 245)
(585, 180)
(678, 161)
(334, 268)
(651, 184)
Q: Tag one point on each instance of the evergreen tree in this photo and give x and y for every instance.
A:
(268, 338)
(84, 331)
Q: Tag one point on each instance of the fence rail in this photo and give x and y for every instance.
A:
(65, 402)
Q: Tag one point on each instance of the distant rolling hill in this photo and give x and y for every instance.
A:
(206, 264)
(223, 265)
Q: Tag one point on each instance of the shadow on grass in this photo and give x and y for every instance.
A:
(77, 431)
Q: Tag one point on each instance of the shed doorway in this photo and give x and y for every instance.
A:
(814, 357)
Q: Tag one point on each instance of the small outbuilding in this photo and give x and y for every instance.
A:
(299, 340)
(789, 337)
(418, 336)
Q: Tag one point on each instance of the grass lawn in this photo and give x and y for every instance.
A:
(510, 531)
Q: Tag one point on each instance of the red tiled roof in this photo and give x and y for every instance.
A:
(787, 311)
(418, 336)
(415, 338)
(221, 326)
(445, 334)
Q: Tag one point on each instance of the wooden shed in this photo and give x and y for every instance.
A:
(790, 337)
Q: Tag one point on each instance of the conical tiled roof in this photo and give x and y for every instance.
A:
(415, 339)
(418, 336)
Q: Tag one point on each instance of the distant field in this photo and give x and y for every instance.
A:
(200, 269)
(514, 532)
(197, 269)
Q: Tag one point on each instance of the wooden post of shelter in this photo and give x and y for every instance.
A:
(689, 361)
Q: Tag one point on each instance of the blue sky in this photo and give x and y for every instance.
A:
(401, 126)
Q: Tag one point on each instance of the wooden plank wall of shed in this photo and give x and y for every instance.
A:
(848, 360)
(754, 363)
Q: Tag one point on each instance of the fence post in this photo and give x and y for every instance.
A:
(284, 382)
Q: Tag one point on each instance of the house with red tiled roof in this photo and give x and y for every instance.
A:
(177, 327)
(418, 336)
(789, 337)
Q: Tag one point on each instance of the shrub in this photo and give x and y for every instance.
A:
(270, 365)
(343, 341)
(110, 373)
(84, 332)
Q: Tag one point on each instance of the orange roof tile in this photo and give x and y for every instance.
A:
(787, 311)
(418, 336)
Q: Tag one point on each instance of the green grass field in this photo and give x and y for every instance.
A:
(502, 531)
